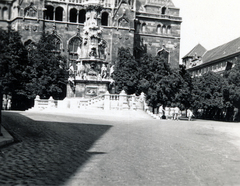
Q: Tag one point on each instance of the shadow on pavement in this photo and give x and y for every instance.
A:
(47, 153)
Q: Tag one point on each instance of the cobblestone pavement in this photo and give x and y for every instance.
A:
(93, 149)
(47, 153)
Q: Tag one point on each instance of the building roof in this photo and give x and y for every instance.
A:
(6, 1)
(198, 50)
(222, 51)
(167, 3)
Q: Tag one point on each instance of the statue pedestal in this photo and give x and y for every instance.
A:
(87, 88)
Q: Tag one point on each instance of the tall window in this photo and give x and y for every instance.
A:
(164, 53)
(163, 10)
(5, 13)
(82, 16)
(164, 29)
(74, 46)
(59, 14)
(73, 15)
(104, 20)
(49, 13)
(144, 27)
(56, 42)
(159, 29)
(169, 29)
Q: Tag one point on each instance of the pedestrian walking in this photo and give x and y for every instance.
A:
(176, 113)
(167, 112)
(172, 112)
(9, 104)
(4, 102)
(235, 110)
(189, 114)
(161, 110)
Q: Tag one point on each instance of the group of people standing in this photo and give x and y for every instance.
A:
(6, 103)
(170, 112)
(174, 113)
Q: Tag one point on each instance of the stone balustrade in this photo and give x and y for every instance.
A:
(105, 101)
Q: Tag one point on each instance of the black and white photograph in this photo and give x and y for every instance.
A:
(119, 93)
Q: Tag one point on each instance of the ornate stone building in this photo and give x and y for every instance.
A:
(151, 26)
(199, 60)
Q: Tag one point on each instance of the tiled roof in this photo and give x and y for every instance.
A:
(198, 49)
(2, 1)
(222, 51)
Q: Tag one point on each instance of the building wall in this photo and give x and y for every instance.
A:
(141, 25)
(218, 66)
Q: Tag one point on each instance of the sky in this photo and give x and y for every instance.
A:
(208, 22)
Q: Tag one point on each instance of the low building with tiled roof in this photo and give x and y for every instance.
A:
(196, 53)
(217, 59)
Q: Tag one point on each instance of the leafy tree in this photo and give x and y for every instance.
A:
(157, 81)
(207, 94)
(183, 94)
(13, 62)
(232, 89)
(126, 72)
(47, 70)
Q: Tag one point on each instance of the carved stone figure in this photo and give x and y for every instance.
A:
(93, 53)
(104, 71)
(111, 70)
(71, 70)
(80, 70)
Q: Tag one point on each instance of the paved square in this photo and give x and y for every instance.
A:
(127, 148)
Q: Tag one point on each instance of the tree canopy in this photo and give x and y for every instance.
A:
(207, 94)
(232, 90)
(183, 95)
(27, 73)
(126, 72)
(13, 63)
(47, 70)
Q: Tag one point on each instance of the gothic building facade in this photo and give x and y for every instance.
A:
(144, 26)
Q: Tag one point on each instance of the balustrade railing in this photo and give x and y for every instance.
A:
(105, 101)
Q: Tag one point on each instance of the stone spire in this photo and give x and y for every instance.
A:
(92, 34)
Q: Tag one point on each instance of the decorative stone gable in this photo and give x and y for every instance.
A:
(123, 16)
(30, 11)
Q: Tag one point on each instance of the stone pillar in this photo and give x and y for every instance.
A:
(142, 101)
(51, 102)
(36, 100)
(107, 101)
(122, 97)
(54, 14)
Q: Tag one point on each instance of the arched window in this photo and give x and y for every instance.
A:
(102, 49)
(82, 16)
(29, 44)
(5, 13)
(73, 47)
(164, 54)
(164, 29)
(169, 29)
(56, 42)
(104, 20)
(144, 27)
(159, 29)
(59, 14)
(73, 15)
(30, 12)
(163, 10)
(49, 13)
